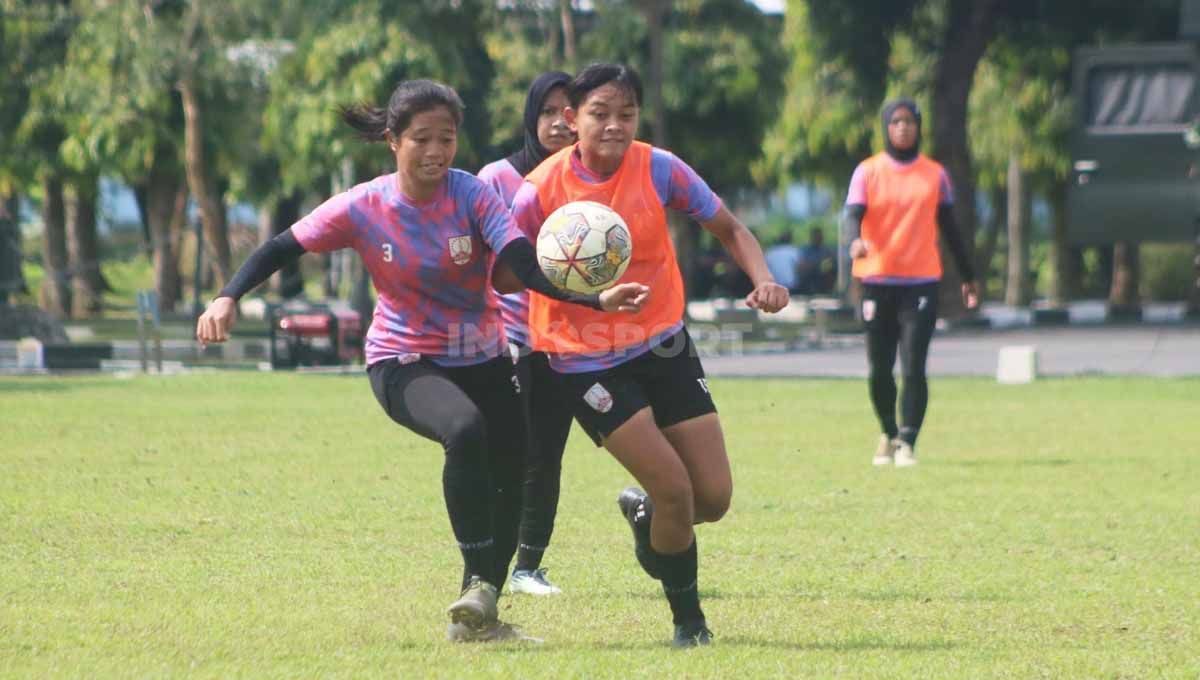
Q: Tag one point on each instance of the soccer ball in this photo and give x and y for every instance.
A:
(584, 247)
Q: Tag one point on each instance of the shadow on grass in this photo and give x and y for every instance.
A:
(1015, 462)
(27, 385)
(910, 596)
(848, 645)
(746, 641)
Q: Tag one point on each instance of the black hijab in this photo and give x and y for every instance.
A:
(533, 152)
(903, 155)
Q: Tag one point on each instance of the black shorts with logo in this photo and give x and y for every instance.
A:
(669, 379)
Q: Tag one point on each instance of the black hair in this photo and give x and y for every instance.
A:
(408, 99)
(598, 75)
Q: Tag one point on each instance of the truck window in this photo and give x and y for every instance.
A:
(1131, 98)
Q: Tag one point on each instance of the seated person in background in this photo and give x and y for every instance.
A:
(815, 265)
(783, 259)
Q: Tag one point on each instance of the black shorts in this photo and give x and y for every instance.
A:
(669, 379)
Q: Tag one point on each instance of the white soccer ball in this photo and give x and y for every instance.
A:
(584, 247)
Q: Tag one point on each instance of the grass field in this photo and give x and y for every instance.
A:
(275, 525)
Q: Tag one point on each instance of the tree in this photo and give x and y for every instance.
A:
(33, 50)
(845, 54)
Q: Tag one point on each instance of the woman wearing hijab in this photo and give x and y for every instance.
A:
(898, 203)
(549, 413)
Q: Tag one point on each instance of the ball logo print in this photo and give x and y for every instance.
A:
(584, 247)
(460, 249)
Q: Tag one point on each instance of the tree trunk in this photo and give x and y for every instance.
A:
(1016, 292)
(568, 33)
(1066, 276)
(139, 196)
(88, 283)
(654, 11)
(968, 32)
(56, 286)
(983, 257)
(1123, 296)
(212, 214)
(274, 219)
(1104, 269)
(164, 192)
(12, 279)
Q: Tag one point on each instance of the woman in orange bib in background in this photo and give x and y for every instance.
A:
(636, 381)
(899, 201)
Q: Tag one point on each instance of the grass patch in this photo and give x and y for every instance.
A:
(276, 525)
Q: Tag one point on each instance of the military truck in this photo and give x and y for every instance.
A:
(1136, 143)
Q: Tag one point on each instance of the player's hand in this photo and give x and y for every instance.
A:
(768, 296)
(970, 294)
(858, 248)
(216, 321)
(624, 297)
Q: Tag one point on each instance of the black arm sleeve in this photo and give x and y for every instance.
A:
(266, 260)
(521, 258)
(852, 218)
(949, 229)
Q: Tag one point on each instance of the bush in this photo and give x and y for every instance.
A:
(1167, 271)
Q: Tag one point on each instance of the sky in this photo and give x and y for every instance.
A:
(770, 6)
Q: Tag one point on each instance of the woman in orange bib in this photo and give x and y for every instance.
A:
(899, 201)
(637, 382)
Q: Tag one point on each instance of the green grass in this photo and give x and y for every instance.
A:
(275, 525)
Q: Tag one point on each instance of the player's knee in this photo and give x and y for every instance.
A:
(465, 434)
(712, 505)
(674, 498)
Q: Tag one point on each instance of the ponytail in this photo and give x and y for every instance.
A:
(408, 99)
(369, 121)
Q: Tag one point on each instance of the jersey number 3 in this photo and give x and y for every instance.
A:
(387, 252)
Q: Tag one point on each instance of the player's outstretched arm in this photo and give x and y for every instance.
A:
(741, 244)
(518, 261)
(218, 319)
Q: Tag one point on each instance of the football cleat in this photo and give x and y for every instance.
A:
(476, 607)
(906, 456)
(532, 582)
(885, 452)
(636, 507)
(691, 634)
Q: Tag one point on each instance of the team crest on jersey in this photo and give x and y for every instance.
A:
(868, 310)
(598, 398)
(460, 249)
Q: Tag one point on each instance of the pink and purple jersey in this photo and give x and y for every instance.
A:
(428, 261)
(514, 307)
(678, 187)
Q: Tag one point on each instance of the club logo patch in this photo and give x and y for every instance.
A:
(460, 249)
(868, 310)
(598, 398)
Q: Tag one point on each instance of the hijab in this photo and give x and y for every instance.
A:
(902, 155)
(533, 152)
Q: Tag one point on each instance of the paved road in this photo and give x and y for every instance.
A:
(1156, 350)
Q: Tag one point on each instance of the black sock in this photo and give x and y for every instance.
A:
(679, 579)
(909, 435)
(529, 557)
